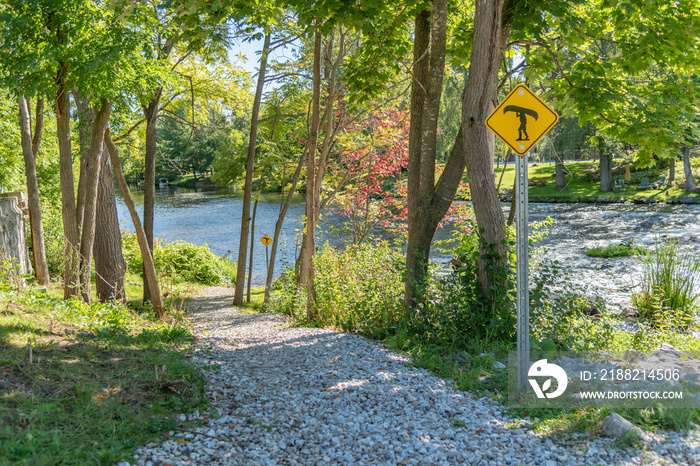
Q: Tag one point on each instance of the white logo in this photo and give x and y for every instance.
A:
(544, 369)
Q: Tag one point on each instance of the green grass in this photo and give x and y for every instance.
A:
(622, 250)
(578, 189)
(257, 296)
(90, 392)
(668, 295)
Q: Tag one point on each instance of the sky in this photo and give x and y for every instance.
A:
(251, 52)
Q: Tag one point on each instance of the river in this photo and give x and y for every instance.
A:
(214, 217)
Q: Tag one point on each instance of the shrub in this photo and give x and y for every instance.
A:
(456, 308)
(667, 295)
(180, 262)
(54, 241)
(359, 289)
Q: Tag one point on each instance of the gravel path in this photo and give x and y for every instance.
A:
(303, 396)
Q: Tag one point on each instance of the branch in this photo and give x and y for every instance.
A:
(281, 115)
(284, 75)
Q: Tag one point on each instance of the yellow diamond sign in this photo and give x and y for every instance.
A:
(266, 240)
(521, 119)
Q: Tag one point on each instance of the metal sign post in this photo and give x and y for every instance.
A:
(266, 240)
(520, 120)
(522, 260)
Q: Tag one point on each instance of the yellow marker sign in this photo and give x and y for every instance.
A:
(266, 240)
(521, 119)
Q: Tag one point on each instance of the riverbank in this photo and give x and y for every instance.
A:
(583, 185)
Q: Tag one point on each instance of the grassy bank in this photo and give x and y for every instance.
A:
(582, 186)
(87, 384)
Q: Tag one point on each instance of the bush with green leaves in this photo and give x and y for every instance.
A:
(667, 295)
(359, 289)
(180, 262)
(54, 241)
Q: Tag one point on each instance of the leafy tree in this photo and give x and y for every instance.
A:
(626, 67)
(183, 148)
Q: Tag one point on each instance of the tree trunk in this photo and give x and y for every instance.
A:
(93, 164)
(430, 42)
(68, 213)
(38, 126)
(479, 100)
(252, 243)
(249, 168)
(109, 261)
(560, 176)
(148, 266)
(41, 270)
(149, 183)
(421, 68)
(278, 228)
(605, 171)
(689, 178)
(306, 273)
(672, 170)
(86, 117)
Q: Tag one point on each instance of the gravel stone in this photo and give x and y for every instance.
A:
(303, 396)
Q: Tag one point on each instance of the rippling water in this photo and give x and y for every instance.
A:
(214, 217)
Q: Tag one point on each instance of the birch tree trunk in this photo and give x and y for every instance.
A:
(29, 151)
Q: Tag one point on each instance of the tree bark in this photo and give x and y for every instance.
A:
(278, 228)
(68, 211)
(306, 273)
(29, 151)
(421, 68)
(478, 101)
(252, 242)
(38, 126)
(689, 178)
(93, 164)
(109, 260)
(559, 173)
(149, 267)
(249, 169)
(86, 117)
(605, 170)
(149, 183)
(672, 170)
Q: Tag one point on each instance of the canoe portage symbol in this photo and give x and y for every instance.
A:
(521, 113)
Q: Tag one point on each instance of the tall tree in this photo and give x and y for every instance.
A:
(307, 272)
(149, 267)
(110, 266)
(249, 171)
(30, 149)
